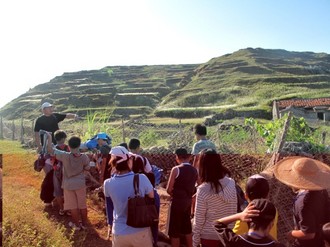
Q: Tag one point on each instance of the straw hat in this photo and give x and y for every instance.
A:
(303, 173)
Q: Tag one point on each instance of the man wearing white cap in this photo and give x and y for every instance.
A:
(49, 122)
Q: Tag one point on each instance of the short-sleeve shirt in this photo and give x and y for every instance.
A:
(73, 169)
(309, 215)
(49, 123)
(229, 238)
(202, 144)
(119, 188)
(147, 166)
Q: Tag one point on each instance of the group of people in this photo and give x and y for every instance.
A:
(204, 209)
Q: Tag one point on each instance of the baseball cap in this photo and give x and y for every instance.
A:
(267, 210)
(102, 136)
(46, 104)
(121, 153)
(257, 187)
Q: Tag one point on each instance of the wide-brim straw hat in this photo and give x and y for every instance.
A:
(303, 173)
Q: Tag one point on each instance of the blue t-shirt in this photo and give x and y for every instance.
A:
(119, 188)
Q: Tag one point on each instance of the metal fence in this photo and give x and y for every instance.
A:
(163, 137)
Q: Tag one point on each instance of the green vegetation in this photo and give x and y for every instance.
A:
(248, 80)
(298, 131)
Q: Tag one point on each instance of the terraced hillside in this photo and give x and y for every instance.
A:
(238, 84)
(250, 79)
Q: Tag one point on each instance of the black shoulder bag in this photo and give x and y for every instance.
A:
(141, 210)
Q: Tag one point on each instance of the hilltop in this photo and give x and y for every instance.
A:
(243, 83)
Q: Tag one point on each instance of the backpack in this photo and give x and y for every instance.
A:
(40, 162)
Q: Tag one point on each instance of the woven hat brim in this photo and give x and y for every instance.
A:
(283, 172)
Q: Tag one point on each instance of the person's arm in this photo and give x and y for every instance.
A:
(199, 217)
(102, 169)
(72, 116)
(171, 180)
(243, 216)
(49, 144)
(299, 234)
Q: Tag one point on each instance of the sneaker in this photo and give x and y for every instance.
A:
(74, 227)
(61, 212)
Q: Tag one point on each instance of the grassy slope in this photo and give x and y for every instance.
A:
(253, 78)
(26, 222)
(247, 80)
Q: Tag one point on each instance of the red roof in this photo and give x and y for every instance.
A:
(304, 102)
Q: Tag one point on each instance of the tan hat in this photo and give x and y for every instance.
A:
(303, 173)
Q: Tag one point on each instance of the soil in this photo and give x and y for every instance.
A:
(96, 234)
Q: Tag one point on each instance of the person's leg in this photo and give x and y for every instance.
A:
(70, 203)
(58, 192)
(175, 242)
(188, 238)
(60, 202)
(82, 205)
(175, 225)
(84, 218)
(75, 216)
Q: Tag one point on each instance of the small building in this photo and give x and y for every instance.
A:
(317, 109)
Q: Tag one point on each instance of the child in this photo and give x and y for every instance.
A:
(104, 156)
(256, 187)
(134, 147)
(138, 167)
(60, 137)
(260, 215)
(181, 187)
(74, 183)
(326, 234)
(215, 198)
(202, 141)
(308, 178)
(117, 189)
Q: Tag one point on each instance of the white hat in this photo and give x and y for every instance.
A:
(46, 104)
(120, 152)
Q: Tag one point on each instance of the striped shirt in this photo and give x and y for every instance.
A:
(211, 206)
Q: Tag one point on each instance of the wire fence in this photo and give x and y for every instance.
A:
(242, 149)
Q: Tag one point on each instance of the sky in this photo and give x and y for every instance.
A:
(42, 39)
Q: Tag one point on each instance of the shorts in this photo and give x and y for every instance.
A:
(141, 238)
(74, 199)
(180, 222)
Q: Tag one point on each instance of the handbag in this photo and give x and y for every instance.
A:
(141, 211)
(40, 162)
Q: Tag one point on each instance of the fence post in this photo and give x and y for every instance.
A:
(13, 131)
(123, 128)
(324, 134)
(22, 131)
(1, 128)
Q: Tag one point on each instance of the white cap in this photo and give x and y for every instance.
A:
(120, 152)
(46, 104)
